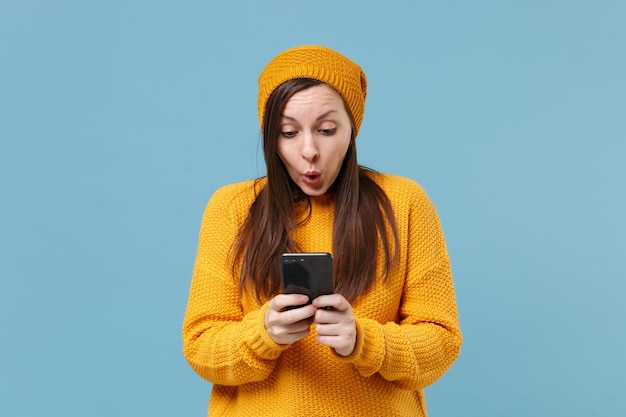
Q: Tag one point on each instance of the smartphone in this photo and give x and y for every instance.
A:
(309, 273)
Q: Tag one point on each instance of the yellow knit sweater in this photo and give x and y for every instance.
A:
(407, 326)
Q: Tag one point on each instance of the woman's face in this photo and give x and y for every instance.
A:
(314, 136)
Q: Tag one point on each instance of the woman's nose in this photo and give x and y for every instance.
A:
(310, 151)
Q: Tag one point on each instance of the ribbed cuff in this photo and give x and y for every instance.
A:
(257, 338)
(369, 351)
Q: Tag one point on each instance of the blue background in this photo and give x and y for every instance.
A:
(119, 119)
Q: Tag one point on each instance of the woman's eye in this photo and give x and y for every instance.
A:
(329, 132)
(288, 134)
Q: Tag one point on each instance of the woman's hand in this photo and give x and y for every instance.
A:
(335, 326)
(288, 326)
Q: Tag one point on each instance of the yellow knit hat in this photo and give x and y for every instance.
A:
(319, 63)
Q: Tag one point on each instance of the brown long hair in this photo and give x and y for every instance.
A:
(363, 217)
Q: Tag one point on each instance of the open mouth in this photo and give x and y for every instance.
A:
(312, 177)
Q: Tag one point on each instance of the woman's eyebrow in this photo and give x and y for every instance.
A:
(321, 116)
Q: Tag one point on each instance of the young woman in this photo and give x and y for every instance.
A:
(391, 327)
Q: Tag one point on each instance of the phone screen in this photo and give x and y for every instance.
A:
(310, 274)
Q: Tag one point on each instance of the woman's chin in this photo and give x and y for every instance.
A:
(313, 191)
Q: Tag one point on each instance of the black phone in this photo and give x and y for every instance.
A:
(309, 273)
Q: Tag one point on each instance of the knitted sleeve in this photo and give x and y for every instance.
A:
(221, 344)
(417, 350)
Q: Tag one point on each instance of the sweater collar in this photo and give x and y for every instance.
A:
(319, 204)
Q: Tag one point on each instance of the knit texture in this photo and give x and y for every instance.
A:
(407, 326)
(319, 63)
